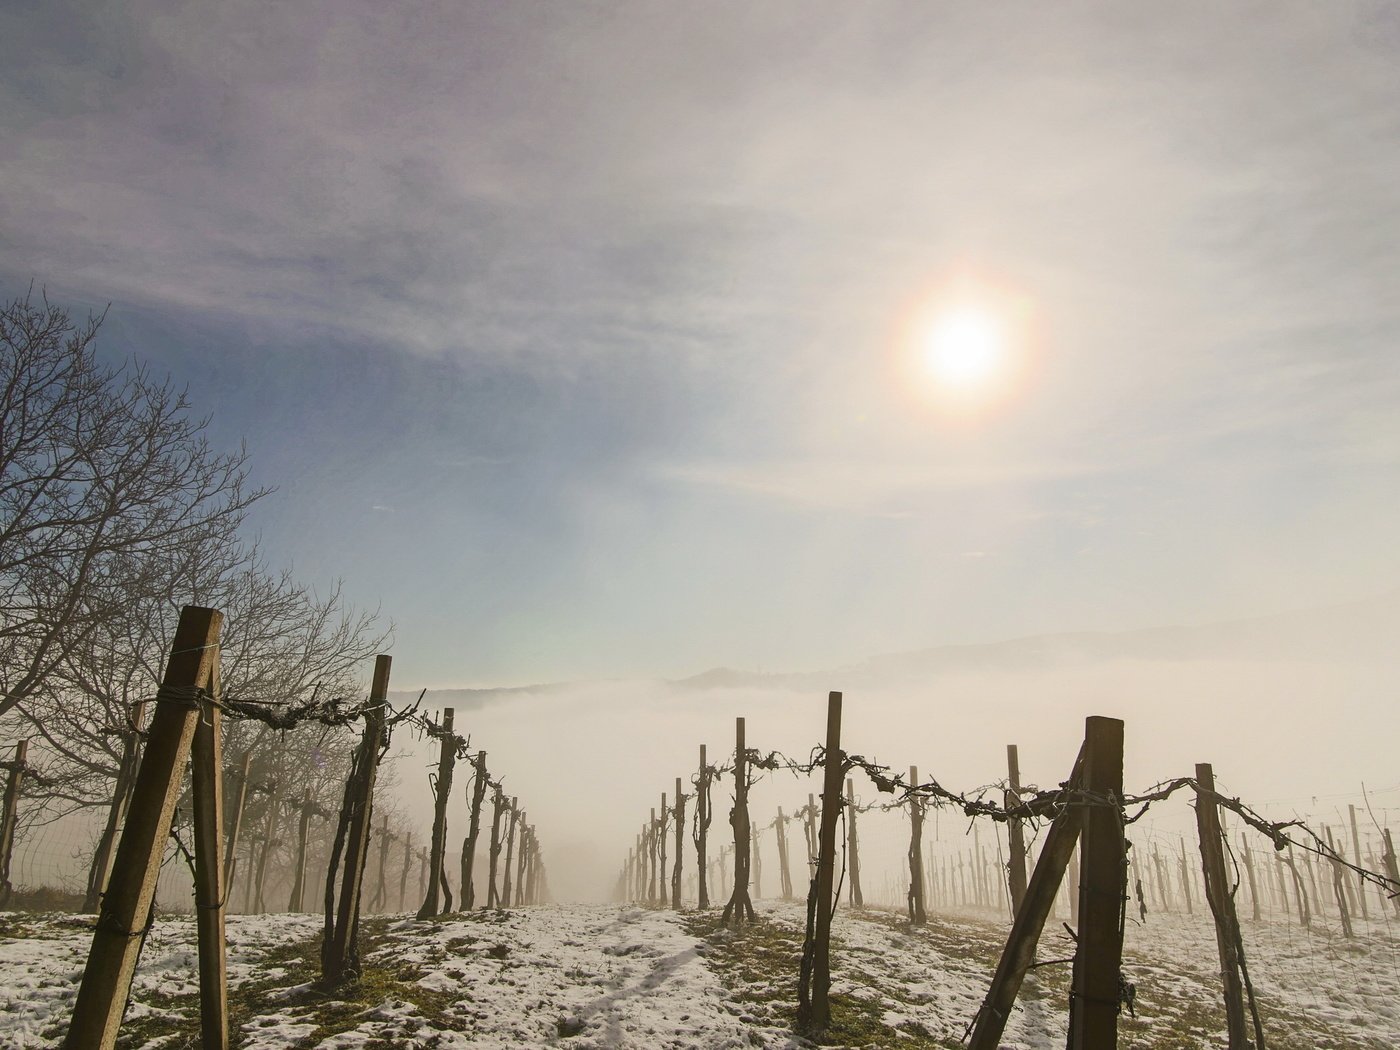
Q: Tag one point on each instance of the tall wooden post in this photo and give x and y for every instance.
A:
(815, 1015)
(1222, 905)
(379, 902)
(520, 860)
(340, 954)
(403, 872)
(235, 824)
(1098, 956)
(1356, 859)
(442, 792)
(126, 906)
(494, 855)
(1249, 872)
(852, 847)
(294, 903)
(702, 829)
(9, 818)
(783, 870)
(207, 774)
(510, 850)
(479, 780)
(740, 907)
(1016, 842)
(917, 916)
(755, 863)
(663, 828)
(1026, 928)
(809, 834)
(116, 812)
(269, 843)
(680, 840)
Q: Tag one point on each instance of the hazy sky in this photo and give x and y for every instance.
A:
(571, 333)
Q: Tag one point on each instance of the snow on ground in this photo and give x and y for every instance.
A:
(592, 976)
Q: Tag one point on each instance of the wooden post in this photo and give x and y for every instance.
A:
(1338, 886)
(740, 907)
(493, 858)
(479, 779)
(403, 873)
(1098, 956)
(680, 840)
(126, 906)
(207, 774)
(1391, 869)
(755, 863)
(116, 812)
(1021, 943)
(815, 1014)
(663, 827)
(9, 818)
(702, 828)
(1222, 905)
(1249, 872)
(299, 871)
(853, 860)
(520, 860)
(1016, 842)
(783, 869)
(1356, 859)
(510, 850)
(240, 800)
(917, 915)
(269, 843)
(809, 832)
(340, 953)
(1186, 881)
(442, 790)
(379, 902)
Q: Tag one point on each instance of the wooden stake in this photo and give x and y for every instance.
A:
(815, 1015)
(235, 826)
(1098, 956)
(207, 762)
(1222, 905)
(852, 849)
(702, 828)
(680, 841)
(9, 818)
(1026, 928)
(127, 905)
(1016, 843)
(917, 916)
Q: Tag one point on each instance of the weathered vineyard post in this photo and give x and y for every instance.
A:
(1222, 905)
(1094, 998)
(1391, 869)
(663, 829)
(442, 791)
(9, 818)
(207, 775)
(740, 907)
(386, 838)
(236, 823)
(756, 863)
(783, 867)
(494, 855)
(127, 904)
(917, 916)
(1026, 928)
(403, 873)
(269, 843)
(116, 812)
(1016, 842)
(340, 951)
(1186, 881)
(1249, 872)
(299, 874)
(680, 841)
(520, 860)
(702, 829)
(809, 833)
(1338, 886)
(479, 780)
(852, 849)
(1356, 858)
(510, 850)
(814, 1007)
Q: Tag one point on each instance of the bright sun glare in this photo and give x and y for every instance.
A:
(965, 348)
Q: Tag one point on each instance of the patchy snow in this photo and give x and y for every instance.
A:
(592, 976)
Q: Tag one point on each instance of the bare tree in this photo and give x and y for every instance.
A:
(103, 472)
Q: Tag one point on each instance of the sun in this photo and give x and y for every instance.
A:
(965, 348)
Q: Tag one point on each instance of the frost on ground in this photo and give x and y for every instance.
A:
(608, 976)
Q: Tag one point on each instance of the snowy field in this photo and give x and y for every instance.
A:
(608, 976)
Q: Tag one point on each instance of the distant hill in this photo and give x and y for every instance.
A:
(1362, 632)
